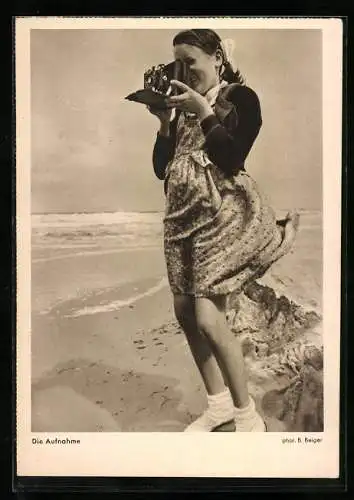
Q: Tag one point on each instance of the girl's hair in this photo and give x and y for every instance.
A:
(209, 42)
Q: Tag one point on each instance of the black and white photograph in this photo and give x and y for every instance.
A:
(176, 233)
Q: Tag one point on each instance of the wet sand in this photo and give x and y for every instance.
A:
(118, 370)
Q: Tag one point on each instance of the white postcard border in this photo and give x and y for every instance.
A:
(179, 454)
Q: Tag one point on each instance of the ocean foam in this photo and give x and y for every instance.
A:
(94, 252)
(118, 304)
(88, 219)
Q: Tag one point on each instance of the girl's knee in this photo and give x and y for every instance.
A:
(184, 311)
(209, 322)
(208, 325)
(209, 328)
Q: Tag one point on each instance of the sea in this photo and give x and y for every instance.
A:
(72, 253)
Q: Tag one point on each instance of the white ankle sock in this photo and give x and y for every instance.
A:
(247, 419)
(246, 410)
(221, 406)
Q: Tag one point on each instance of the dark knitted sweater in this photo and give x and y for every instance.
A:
(229, 133)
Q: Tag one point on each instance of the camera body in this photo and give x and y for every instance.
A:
(158, 77)
(157, 84)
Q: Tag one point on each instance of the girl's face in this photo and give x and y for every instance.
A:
(204, 68)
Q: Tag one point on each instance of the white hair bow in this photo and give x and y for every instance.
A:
(228, 47)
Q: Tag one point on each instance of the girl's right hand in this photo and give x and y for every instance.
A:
(164, 115)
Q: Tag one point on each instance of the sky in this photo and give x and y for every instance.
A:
(91, 149)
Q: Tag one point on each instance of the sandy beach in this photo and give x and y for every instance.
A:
(107, 354)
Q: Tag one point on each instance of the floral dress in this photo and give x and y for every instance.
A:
(219, 234)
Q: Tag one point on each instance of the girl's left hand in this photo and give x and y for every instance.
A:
(190, 101)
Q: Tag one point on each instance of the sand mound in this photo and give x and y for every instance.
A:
(283, 355)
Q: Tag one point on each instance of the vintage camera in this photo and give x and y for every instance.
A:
(157, 84)
(158, 78)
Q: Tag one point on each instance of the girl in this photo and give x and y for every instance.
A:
(218, 233)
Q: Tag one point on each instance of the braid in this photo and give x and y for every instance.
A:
(231, 76)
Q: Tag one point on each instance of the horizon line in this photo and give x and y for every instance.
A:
(100, 212)
(144, 211)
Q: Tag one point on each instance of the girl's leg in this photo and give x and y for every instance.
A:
(211, 321)
(219, 415)
(204, 358)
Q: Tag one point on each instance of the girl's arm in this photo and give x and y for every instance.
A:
(164, 148)
(228, 144)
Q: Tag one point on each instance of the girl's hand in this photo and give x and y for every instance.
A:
(164, 115)
(190, 101)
